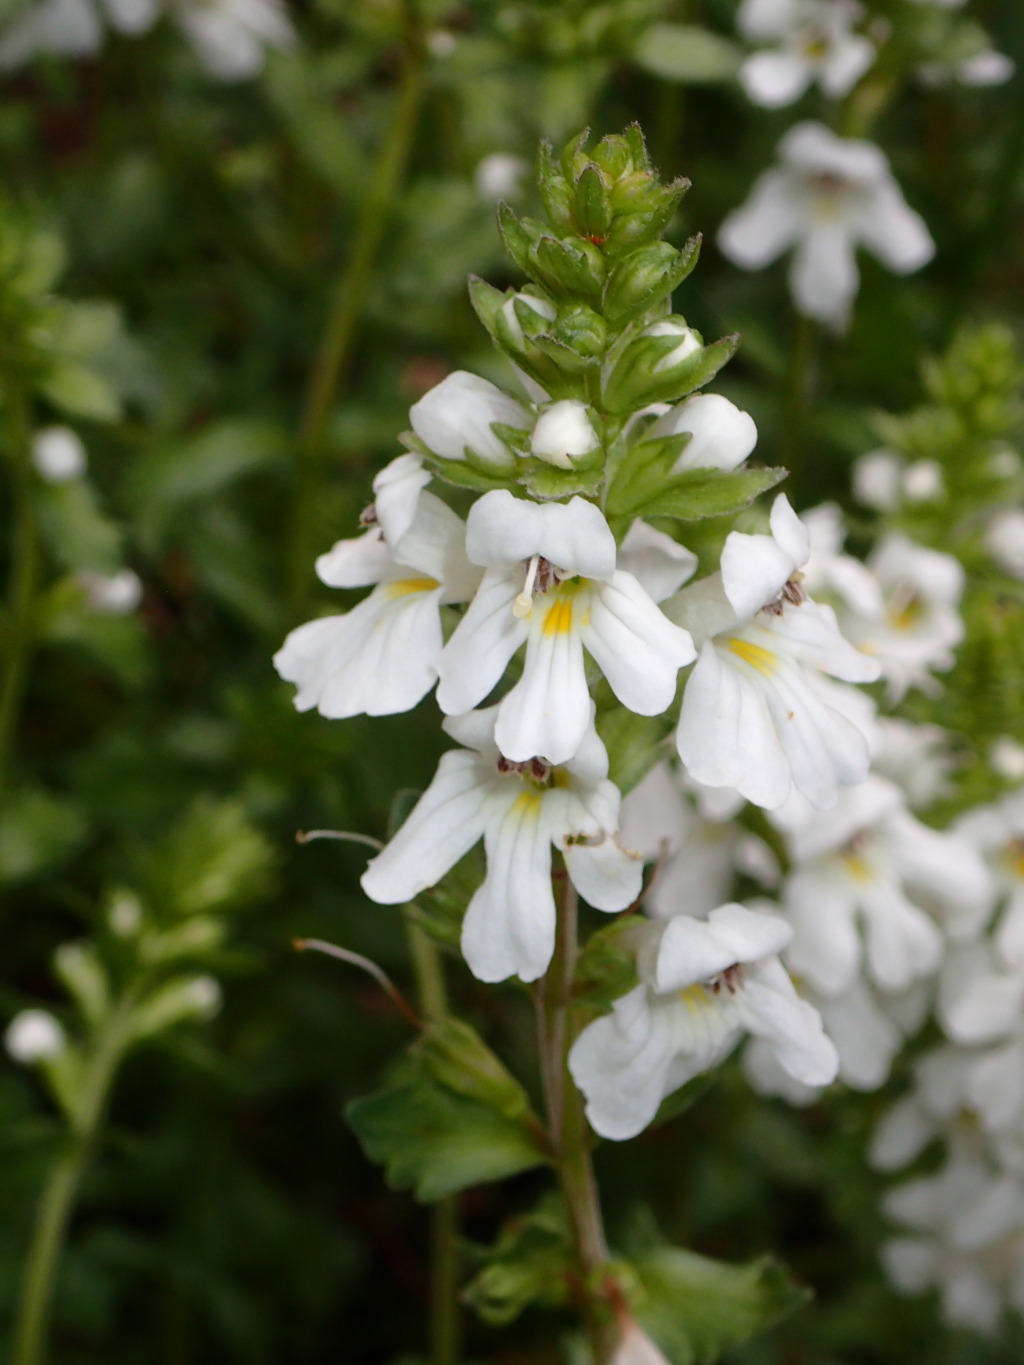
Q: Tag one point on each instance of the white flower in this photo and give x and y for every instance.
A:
(701, 850)
(520, 809)
(878, 480)
(968, 1241)
(917, 758)
(1004, 540)
(721, 435)
(230, 36)
(939, 1098)
(704, 985)
(867, 878)
(829, 195)
(58, 454)
(70, 28)
(34, 1036)
(500, 175)
(457, 414)
(382, 656)
(117, 594)
(552, 584)
(1006, 757)
(997, 831)
(815, 42)
(753, 716)
(916, 626)
(563, 434)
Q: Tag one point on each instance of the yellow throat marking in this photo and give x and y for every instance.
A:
(558, 620)
(759, 658)
(405, 587)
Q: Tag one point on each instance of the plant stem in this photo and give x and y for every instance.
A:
(446, 1269)
(349, 298)
(53, 1214)
(24, 573)
(568, 1129)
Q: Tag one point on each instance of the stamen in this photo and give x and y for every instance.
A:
(368, 516)
(524, 602)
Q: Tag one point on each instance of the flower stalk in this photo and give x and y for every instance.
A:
(24, 574)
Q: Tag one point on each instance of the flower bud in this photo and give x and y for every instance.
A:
(116, 594)
(34, 1036)
(500, 176)
(58, 455)
(922, 481)
(564, 434)
(877, 477)
(1004, 540)
(510, 316)
(636, 1348)
(689, 342)
(721, 435)
(458, 412)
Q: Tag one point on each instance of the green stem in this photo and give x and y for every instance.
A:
(445, 1325)
(53, 1214)
(349, 298)
(570, 1138)
(22, 586)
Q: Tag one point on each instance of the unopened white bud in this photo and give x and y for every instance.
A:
(205, 996)
(58, 455)
(124, 915)
(636, 1348)
(116, 594)
(34, 1036)
(877, 479)
(508, 312)
(1004, 464)
(1006, 757)
(1005, 541)
(689, 341)
(563, 434)
(500, 176)
(985, 68)
(922, 481)
(458, 413)
(721, 434)
(441, 43)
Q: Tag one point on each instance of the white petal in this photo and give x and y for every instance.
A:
(602, 871)
(655, 813)
(989, 1008)
(636, 646)
(444, 824)
(356, 563)
(755, 568)
(911, 1264)
(659, 564)
(694, 951)
(812, 634)
(458, 413)
(770, 221)
(509, 928)
(823, 276)
(826, 947)
(621, 1064)
(774, 79)
(548, 711)
(435, 544)
(475, 657)
(847, 60)
(866, 1039)
(903, 944)
(396, 492)
(772, 1010)
(890, 229)
(502, 531)
(726, 737)
(902, 1135)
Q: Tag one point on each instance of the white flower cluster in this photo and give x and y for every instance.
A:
(767, 716)
(962, 1231)
(829, 194)
(230, 37)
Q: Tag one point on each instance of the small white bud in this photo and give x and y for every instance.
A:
(563, 433)
(508, 312)
(922, 481)
(636, 1348)
(721, 434)
(1004, 464)
(58, 455)
(877, 479)
(500, 176)
(459, 412)
(117, 594)
(1004, 540)
(985, 68)
(34, 1036)
(441, 43)
(125, 915)
(1006, 757)
(689, 341)
(205, 996)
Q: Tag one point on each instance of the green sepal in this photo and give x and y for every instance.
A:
(633, 383)
(695, 1308)
(574, 155)
(569, 268)
(631, 230)
(78, 534)
(555, 192)
(581, 329)
(487, 302)
(547, 482)
(606, 966)
(454, 1055)
(567, 359)
(80, 392)
(434, 1141)
(647, 276)
(520, 236)
(591, 202)
(643, 472)
(633, 136)
(531, 1263)
(699, 493)
(472, 472)
(687, 53)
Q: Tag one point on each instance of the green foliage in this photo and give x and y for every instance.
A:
(530, 1264)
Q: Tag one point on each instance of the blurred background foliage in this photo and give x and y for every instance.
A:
(236, 381)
